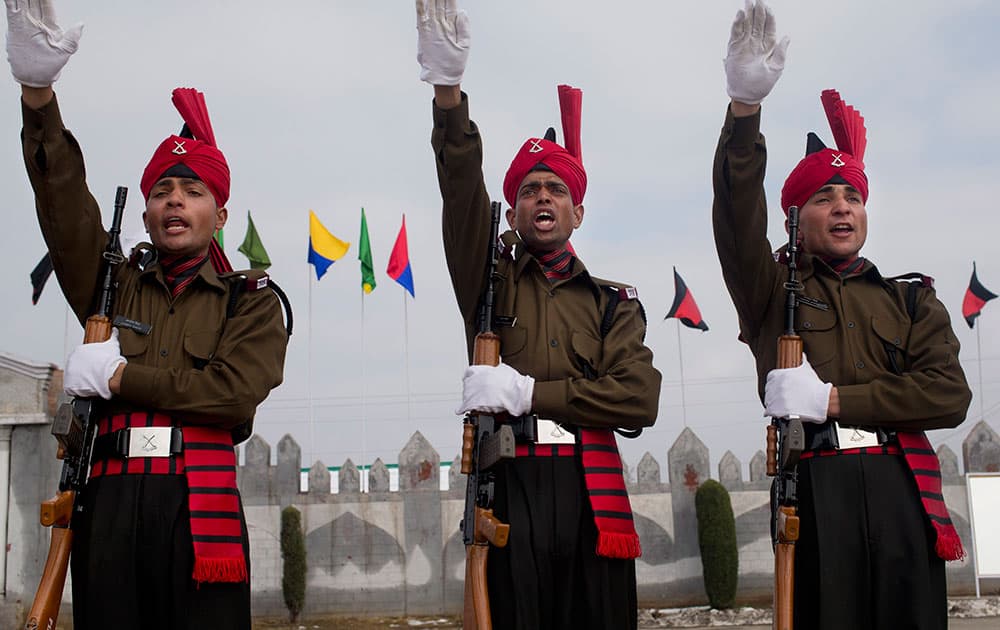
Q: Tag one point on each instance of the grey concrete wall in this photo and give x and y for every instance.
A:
(400, 552)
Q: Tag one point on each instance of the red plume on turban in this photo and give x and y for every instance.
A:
(566, 162)
(816, 169)
(199, 153)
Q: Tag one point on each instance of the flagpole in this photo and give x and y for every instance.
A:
(312, 441)
(406, 356)
(364, 403)
(680, 359)
(979, 355)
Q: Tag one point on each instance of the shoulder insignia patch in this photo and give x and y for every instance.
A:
(628, 293)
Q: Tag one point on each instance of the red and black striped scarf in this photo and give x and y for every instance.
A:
(604, 479)
(180, 271)
(209, 464)
(926, 468)
(556, 265)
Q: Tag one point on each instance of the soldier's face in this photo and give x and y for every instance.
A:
(544, 215)
(834, 222)
(181, 216)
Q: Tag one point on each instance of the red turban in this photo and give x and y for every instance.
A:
(567, 162)
(198, 153)
(816, 169)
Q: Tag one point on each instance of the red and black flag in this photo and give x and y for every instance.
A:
(39, 275)
(684, 307)
(975, 297)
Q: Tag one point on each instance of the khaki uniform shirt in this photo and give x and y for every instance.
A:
(196, 364)
(845, 344)
(556, 326)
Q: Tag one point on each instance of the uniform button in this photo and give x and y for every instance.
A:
(171, 311)
(807, 324)
(860, 365)
(896, 341)
(554, 343)
(163, 352)
(850, 324)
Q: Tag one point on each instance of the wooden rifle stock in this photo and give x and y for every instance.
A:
(787, 525)
(58, 511)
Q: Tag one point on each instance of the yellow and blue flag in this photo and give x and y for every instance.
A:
(324, 248)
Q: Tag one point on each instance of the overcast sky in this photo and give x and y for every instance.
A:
(317, 105)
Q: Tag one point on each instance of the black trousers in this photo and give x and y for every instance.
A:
(865, 558)
(133, 557)
(549, 576)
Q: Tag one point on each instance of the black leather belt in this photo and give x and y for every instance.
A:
(526, 430)
(824, 436)
(138, 442)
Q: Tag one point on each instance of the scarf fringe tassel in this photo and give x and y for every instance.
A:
(615, 545)
(220, 570)
(949, 547)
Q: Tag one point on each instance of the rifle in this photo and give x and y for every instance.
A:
(792, 443)
(485, 443)
(73, 429)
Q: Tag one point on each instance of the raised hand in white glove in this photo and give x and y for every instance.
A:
(443, 40)
(753, 60)
(37, 48)
(798, 392)
(90, 366)
(496, 389)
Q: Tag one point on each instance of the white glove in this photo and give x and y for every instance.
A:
(753, 61)
(90, 366)
(798, 392)
(37, 48)
(496, 389)
(443, 40)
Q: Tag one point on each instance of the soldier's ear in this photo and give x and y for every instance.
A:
(511, 214)
(221, 215)
(145, 223)
(577, 216)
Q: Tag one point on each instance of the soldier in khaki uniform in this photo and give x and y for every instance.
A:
(161, 542)
(569, 562)
(881, 363)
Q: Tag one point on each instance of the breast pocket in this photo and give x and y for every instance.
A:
(893, 336)
(816, 327)
(512, 341)
(200, 346)
(133, 345)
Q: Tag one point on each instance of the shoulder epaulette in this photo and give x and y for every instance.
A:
(925, 281)
(251, 279)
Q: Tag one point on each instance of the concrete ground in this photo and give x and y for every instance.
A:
(981, 623)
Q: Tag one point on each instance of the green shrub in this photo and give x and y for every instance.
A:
(293, 555)
(717, 541)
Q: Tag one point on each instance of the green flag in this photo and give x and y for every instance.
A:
(218, 239)
(365, 256)
(252, 248)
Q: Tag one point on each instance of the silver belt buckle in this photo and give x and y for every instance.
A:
(853, 437)
(551, 432)
(149, 441)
